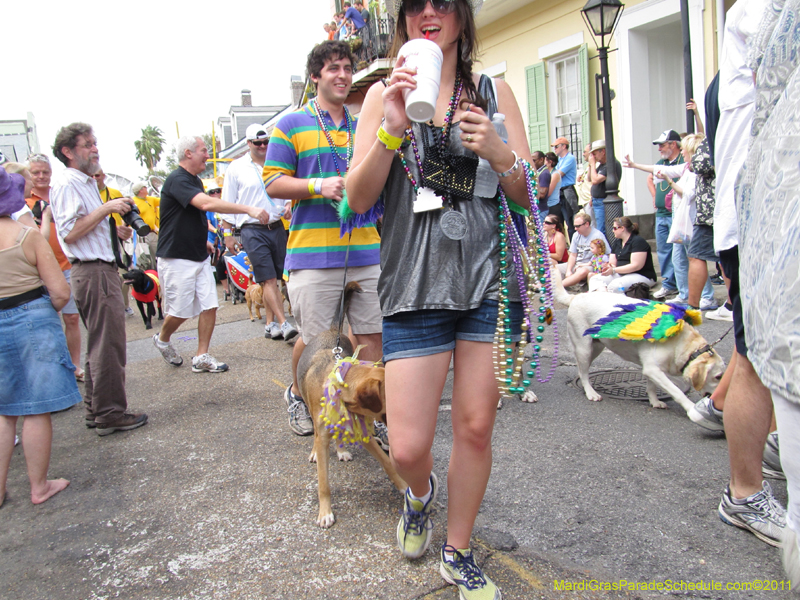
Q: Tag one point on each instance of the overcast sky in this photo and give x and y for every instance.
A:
(120, 66)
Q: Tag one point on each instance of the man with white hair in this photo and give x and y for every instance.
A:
(265, 244)
(184, 266)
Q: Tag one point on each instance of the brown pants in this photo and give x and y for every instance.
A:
(98, 295)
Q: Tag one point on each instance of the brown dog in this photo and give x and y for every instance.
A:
(254, 296)
(364, 395)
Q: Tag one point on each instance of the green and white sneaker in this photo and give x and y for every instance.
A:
(462, 571)
(414, 528)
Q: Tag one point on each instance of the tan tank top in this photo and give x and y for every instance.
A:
(17, 275)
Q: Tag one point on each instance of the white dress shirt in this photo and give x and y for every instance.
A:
(244, 185)
(73, 195)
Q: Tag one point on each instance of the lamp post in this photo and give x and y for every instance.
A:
(601, 17)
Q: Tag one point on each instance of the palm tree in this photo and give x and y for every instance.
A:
(150, 147)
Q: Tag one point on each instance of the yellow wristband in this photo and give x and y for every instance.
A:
(227, 234)
(311, 186)
(391, 142)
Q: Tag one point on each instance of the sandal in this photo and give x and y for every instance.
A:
(79, 375)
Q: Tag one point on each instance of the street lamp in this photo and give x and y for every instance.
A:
(601, 17)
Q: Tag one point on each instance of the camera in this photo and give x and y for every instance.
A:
(134, 220)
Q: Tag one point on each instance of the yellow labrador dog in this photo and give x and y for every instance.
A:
(687, 354)
(363, 395)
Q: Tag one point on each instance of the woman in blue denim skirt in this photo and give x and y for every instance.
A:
(38, 375)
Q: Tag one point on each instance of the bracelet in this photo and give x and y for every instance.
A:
(513, 168)
(391, 142)
(311, 183)
(226, 233)
(318, 186)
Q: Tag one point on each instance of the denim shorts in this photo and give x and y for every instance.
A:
(702, 244)
(425, 332)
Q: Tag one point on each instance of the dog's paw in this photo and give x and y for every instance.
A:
(529, 396)
(344, 455)
(252, 319)
(593, 396)
(312, 458)
(326, 521)
(657, 404)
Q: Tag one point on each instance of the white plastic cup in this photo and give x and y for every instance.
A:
(427, 57)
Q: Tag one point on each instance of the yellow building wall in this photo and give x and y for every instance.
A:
(517, 37)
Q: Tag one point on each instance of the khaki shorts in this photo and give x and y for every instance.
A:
(315, 295)
(187, 287)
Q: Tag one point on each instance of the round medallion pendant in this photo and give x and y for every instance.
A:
(453, 224)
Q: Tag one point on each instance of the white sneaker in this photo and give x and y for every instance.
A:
(288, 330)
(128, 311)
(708, 304)
(168, 352)
(272, 330)
(208, 364)
(721, 314)
(679, 300)
(663, 293)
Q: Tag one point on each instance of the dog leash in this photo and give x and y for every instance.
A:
(337, 351)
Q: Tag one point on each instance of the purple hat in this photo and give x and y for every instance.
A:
(12, 192)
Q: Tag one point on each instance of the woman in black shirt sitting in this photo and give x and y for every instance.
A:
(631, 261)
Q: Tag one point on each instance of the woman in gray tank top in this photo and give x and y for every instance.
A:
(440, 260)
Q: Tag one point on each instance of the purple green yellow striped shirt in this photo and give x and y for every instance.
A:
(298, 148)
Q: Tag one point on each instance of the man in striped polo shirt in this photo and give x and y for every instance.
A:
(307, 159)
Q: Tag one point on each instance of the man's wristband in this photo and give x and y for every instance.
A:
(311, 186)
(227, 232)
(391, 142)
(318, 186)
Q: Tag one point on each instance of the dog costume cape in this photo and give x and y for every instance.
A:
(344, 426)
(152, 286)
(651, 321)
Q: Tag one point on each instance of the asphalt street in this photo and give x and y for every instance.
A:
(215, 498)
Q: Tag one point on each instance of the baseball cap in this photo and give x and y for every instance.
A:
(598, 145)
(670, 135)
(256, 132)
(561, 140)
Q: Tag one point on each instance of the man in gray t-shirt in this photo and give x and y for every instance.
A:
(577, 268)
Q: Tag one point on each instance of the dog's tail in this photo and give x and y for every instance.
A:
(559, 293)
(344, 304)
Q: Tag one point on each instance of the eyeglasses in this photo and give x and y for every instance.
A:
(87, 145)
(214, 192)
(259, 143)
(615, 228)
(580, 225)
(412, 8)
(549, 222)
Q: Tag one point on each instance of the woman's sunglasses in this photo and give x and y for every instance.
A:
(412, 8)
(549, 222)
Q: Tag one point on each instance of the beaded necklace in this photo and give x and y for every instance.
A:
(334, 148)
(448, 120)
(508, 361)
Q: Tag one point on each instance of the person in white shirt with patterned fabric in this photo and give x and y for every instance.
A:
(265, 244)
(87, 235)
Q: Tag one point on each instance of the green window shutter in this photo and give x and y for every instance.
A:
(537, 108)
(583, 71)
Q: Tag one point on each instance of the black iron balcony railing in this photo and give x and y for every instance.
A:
(373, 41)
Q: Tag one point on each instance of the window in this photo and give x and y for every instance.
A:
(565, 80)
(558, 101)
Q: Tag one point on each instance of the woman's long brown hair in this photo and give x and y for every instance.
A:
(467, 48)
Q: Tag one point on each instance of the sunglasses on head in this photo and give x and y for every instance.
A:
(259, 142)
(412, 8)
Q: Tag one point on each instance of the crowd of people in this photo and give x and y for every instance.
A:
(62, 253)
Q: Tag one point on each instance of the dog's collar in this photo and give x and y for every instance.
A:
(696, 354)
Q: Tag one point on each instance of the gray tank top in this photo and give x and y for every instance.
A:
(421, 268)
